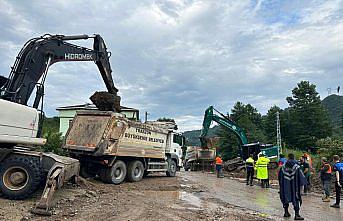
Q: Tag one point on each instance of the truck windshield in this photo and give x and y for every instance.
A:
(178, 139)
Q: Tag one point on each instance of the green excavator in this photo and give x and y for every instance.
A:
(270, 151)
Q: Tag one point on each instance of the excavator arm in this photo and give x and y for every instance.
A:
(222, 120)
(32, 63)
(18, 121)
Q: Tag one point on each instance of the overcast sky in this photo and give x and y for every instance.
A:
(174, 58)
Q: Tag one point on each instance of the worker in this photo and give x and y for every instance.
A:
(219, 167)
(249, 166)
(338, 169)
(282, 160)
(291, 179)
(325, 176)
(305, 168)
(262, 170)
(308, 159)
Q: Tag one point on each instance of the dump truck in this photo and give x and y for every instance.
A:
(23, 168)
(114, 148)
(198, 158)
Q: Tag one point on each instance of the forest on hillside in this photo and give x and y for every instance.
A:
(307, 123)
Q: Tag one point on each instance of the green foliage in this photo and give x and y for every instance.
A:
(192, 137)
(54, 143)
(334, 106)
(305, 123)
(54, 138)
(307, 120)
(329, 147)
(250, 120)
(51, 124)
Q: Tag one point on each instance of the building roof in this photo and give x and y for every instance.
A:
(88, 106)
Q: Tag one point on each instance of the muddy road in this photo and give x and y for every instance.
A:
(189, 196)
(264, 201)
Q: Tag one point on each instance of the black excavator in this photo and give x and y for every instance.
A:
(22, 167)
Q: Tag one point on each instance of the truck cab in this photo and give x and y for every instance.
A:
(176, 144)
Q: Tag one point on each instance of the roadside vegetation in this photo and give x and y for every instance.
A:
(53, 136)
(308, 124)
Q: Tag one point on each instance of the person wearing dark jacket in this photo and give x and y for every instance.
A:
(338, 169)
(291, 179)
(249, 166)
(325, 176)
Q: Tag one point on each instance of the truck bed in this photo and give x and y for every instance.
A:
(101, 133)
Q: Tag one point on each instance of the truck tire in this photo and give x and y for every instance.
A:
(115, 174)
(20, 177)
(85, 173)
(171, 172)
(135, 171)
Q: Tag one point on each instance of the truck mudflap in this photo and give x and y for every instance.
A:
(62, 169)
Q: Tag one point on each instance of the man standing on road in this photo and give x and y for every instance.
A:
(262, 170)
(338, 169)
(325, 176)
(249, 166)
(305, 168)
(291, 178)
(219, 167)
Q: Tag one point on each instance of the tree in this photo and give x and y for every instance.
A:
(307, 119)
(248, 118)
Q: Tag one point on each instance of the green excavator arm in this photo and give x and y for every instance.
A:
(222, 120)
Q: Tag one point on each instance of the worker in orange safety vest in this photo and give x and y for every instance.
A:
(219, 167)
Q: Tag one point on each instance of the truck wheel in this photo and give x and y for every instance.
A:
(135, 171)
(20, 176)
(171, 172)
(85, 172)
(115, 174)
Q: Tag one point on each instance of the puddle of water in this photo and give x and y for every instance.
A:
(185, 186)
(184, 179)
(190, 199)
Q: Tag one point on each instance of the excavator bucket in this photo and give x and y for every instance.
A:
(61, 169)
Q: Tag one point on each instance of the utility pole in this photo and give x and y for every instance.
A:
(278, 131)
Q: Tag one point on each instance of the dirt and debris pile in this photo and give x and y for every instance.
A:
(106, 101)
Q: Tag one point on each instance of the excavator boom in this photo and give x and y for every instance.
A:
(21, 167)
(222, 120)
(32, 63)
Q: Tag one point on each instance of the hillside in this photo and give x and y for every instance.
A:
(334, 105)
(192, 137)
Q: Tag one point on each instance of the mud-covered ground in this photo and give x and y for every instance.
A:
(189, 196)
(154, 198)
